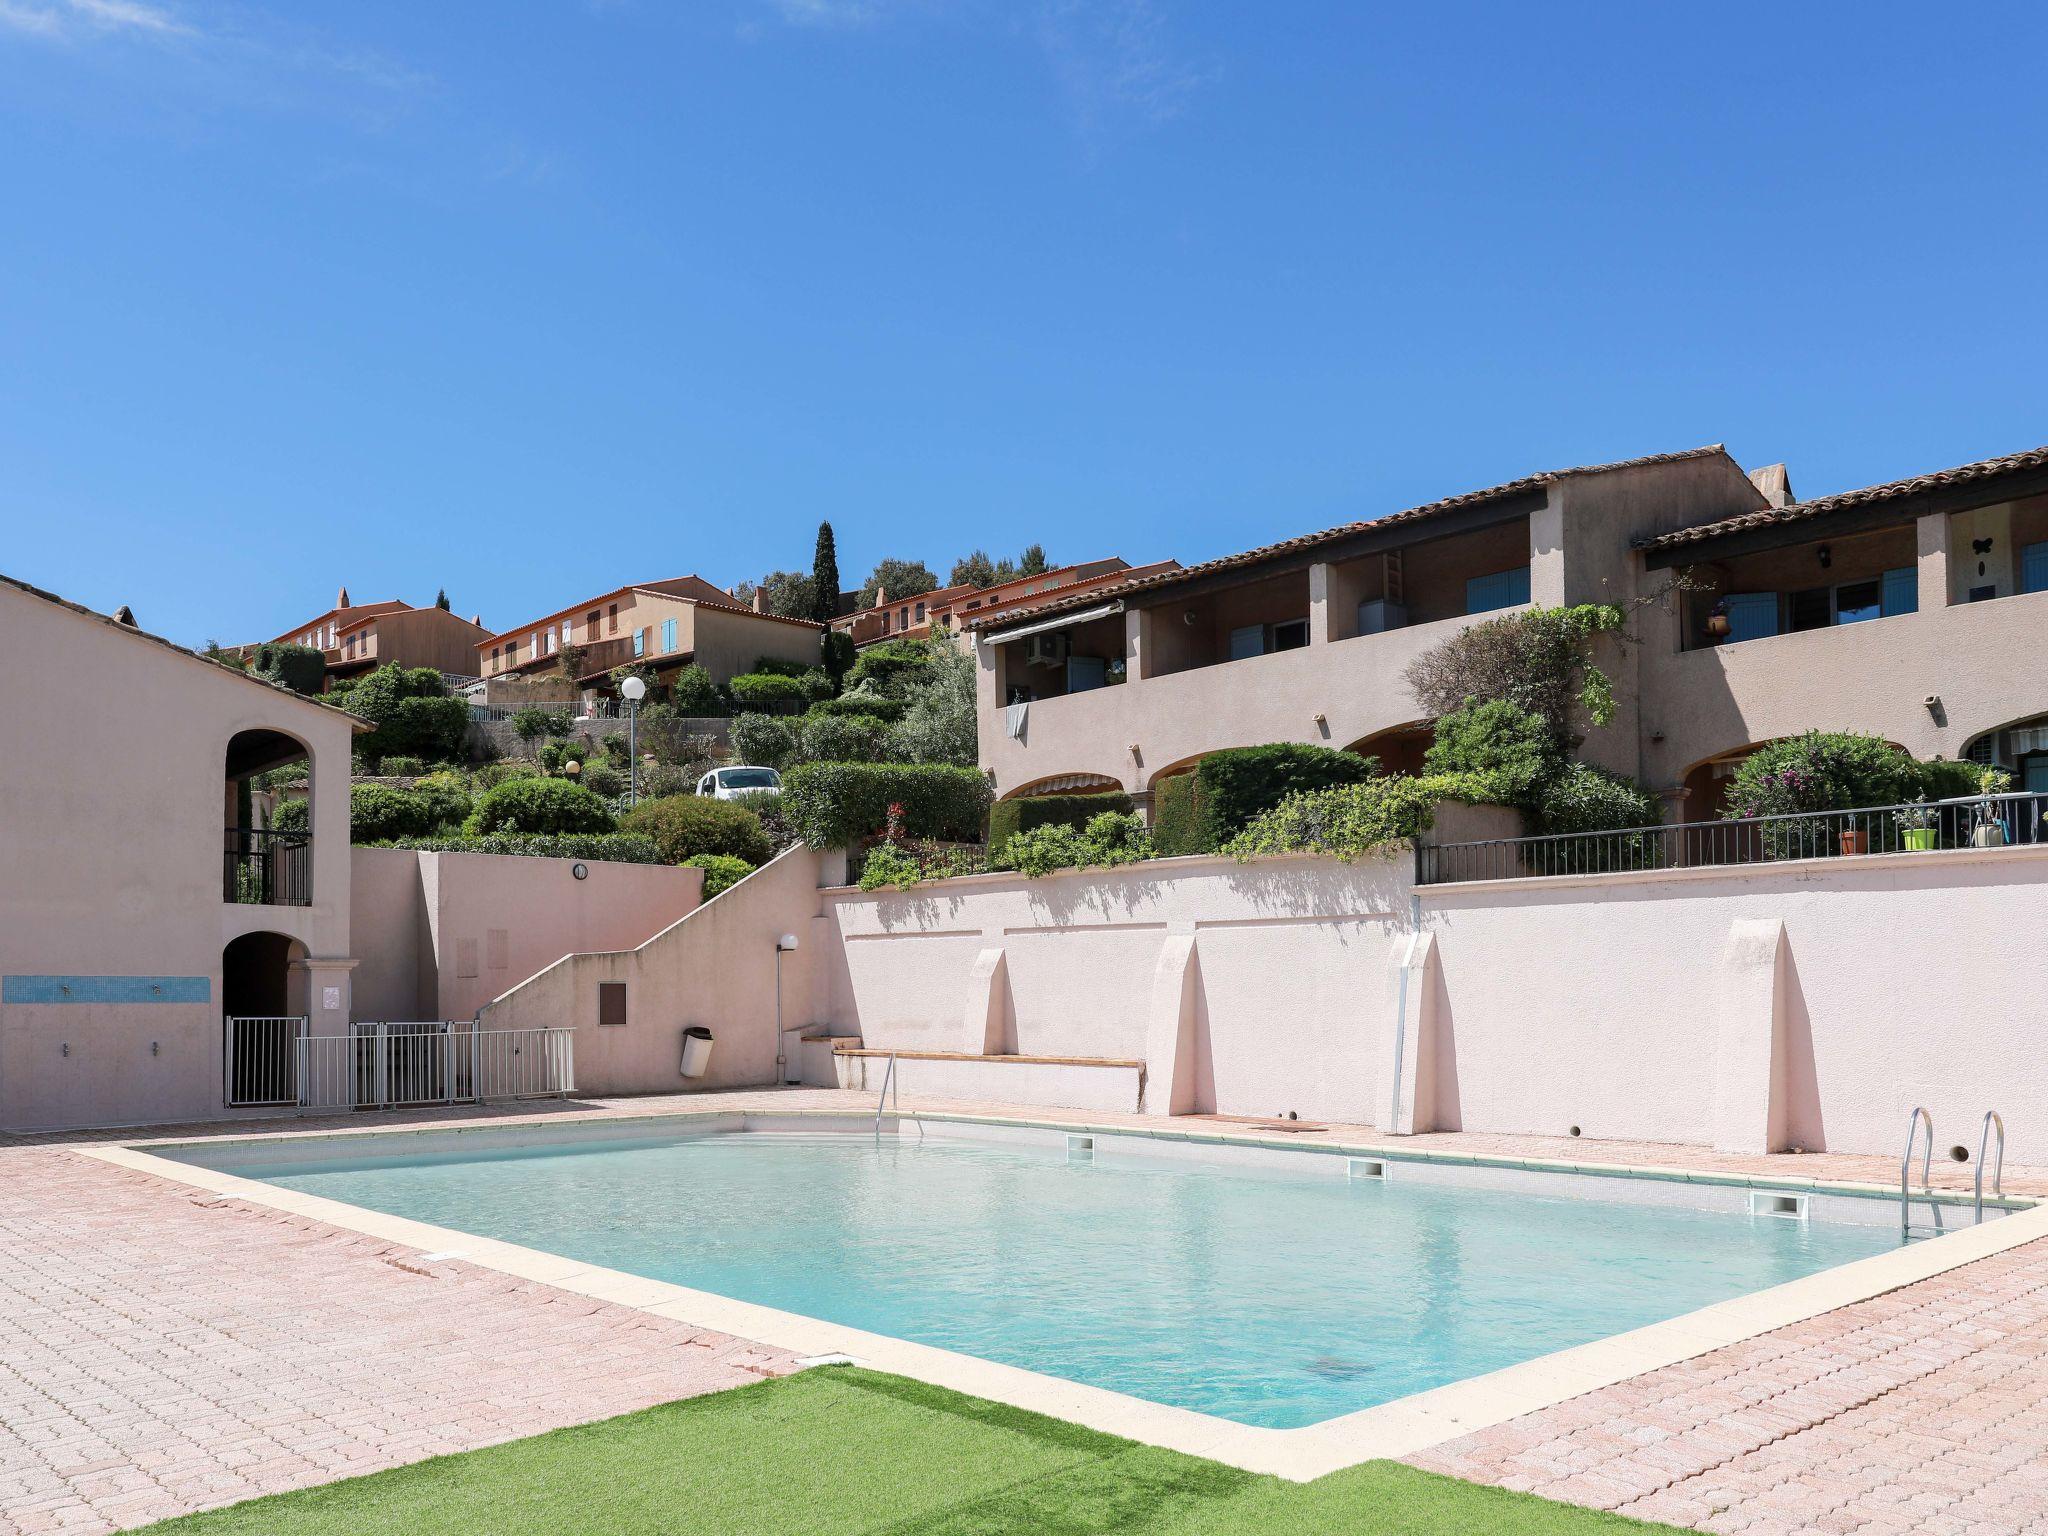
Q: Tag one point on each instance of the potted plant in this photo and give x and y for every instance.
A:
(1989, 831)
(1917, 828)
(1717, 620)
(1854, 840)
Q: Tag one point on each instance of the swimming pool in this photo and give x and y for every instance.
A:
(1275, 1289)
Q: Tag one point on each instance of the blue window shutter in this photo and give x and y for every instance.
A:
(1751, 615)
(1248, 641)
(1518, 585)
(1901, 591)
(2034, 568)
(1483, 594)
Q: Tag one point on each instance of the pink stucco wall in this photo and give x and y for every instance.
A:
(716, 967)
(444, 933)
(111, 827)
(1808, 1004)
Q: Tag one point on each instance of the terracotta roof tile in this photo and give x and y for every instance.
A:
(1343, 531)
(1962, 474)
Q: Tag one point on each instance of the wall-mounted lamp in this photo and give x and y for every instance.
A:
(1188, 618)
(783, 946)
(1827, 556)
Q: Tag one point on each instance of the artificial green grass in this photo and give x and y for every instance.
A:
(835, 1451)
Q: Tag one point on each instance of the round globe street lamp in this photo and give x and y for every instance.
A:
(634, 689)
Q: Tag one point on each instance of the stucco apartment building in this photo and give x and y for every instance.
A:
(950, 609)
(357, 637)
(1916, 609)
(139, 902)
(665, 625)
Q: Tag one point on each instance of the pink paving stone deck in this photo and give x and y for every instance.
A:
(162, 1350)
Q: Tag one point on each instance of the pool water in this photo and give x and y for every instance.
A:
(1265, 1296)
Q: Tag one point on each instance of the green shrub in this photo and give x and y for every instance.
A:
(605, 779)
(402, 767)
(775, 666)
(596, 847)
(1104, 842)
(836, 653)
(1944, 778)
(831, 805)
(293, 815)
(301, 668)
(491, 775)
(446, 797)
(1499, 741)
(721, 871)
(1540, 660)
(887, 865)
(1009, 817)
(548, 806)
(662, 781)
(1351, 821)
(693, 694)
(766, 804)
(872, 705)
(769, 692)
(1819, 771)
(412, 712)
(683, 826)
(763, 741)
(888, 666)
(841, 739)
(1180, 820)
(1582, 798)
(1240, 783)
(532, 721)
(377, 812)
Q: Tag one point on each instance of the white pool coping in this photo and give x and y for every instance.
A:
(1399, 1428)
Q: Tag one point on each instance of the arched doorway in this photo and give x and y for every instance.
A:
(1399, 749)
(267, 813)
(263, 1013)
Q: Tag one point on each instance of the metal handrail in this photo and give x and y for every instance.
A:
(1920, 1117)
(1991, 1117)
(888, 1080)
(1902, 827)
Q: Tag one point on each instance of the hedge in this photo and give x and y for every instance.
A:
(538, 805)
(1180, 823)
(684, 826)
(377, 812)
(832, 805)
(1350, 821)
(1240, 783)
(301, 668)
(874, 706)
(768, 692)
(598, 847)
(721, 871)
(1010, 817)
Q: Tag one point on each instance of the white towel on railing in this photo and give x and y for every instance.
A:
(1013, 720)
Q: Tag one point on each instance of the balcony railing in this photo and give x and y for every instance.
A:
(268, 869)
(1994, 821)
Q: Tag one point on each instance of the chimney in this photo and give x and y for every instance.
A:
(881, 597)
(477, 619)
(760, 601)
(125, 616)
(341, 598)
(1774, 484)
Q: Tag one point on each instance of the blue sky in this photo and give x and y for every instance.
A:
(531, 300)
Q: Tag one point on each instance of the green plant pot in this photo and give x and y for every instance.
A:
(1922, 839)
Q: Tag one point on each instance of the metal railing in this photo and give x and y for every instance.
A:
(1979, 821)
(395, 1065)
(262, 1061)
(270, 869)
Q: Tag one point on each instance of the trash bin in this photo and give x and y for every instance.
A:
(696, 1050)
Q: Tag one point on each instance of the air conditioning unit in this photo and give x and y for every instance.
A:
(1047, 650)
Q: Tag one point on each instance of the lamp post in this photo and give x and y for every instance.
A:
(785, 943)
(634, 689)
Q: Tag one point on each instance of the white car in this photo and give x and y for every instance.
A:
(734, 783)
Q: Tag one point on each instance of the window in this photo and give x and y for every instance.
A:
(920, 613)
(639, 642)
(1901, 591)
(611, 619)
(2034, 567)
(885, 621)
(1856, 601)
(1751, 615)
(611, 1002)
(1813, 608)
(1291, 636)
(590, 625)
(668, 636)
(553, 644)
(1501, 589)
(1260, 639)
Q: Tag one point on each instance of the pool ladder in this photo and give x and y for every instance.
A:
(888, 1082)
(1992, 1121)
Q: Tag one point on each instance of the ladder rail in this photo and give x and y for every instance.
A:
(1919, 1118)
(882, 1098)
(1991, 1118)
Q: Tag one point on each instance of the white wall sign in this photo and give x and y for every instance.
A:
(330, 997)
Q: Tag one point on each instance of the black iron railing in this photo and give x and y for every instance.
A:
(1994, 821)
(268, 869)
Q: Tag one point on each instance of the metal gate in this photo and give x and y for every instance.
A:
(262, 1060)
(390, 1065)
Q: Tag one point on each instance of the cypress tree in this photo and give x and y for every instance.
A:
(825, 577)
